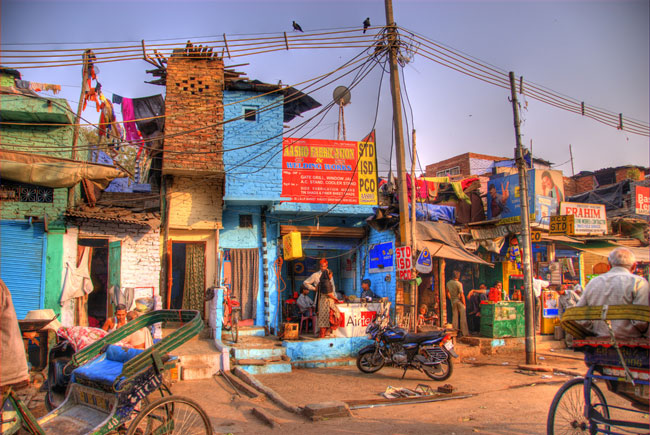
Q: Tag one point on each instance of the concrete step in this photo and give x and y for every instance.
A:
(197, 371)
(266, 369)
(316, 364)
(256, 347)
(247, 331)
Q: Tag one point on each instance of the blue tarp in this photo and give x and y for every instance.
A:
(434, 212)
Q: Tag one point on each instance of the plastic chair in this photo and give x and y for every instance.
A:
(306, 317)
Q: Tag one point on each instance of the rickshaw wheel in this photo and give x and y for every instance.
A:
(567, 413)
(171, 415)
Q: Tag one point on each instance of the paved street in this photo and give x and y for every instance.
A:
(504, 402)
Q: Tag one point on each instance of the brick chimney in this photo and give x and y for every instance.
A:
(194, 100)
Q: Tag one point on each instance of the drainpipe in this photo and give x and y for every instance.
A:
(265, 274)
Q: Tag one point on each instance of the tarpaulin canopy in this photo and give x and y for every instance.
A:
(442, 240)
(604, 248)
(52, 171)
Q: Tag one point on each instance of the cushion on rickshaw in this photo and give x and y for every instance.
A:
(106, 368)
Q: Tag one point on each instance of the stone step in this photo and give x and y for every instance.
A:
(257, 353)
(197, 371)
(269, 368)
(248, 331)
(315, 364)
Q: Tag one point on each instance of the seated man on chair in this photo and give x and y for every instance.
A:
(619, 286)
(304, 302)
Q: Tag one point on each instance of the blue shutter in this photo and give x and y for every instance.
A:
(22, 264)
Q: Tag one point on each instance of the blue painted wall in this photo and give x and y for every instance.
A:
(244, 179)
(378, 283)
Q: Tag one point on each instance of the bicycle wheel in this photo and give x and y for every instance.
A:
(234, 326)
(567, 413)
(171, 415)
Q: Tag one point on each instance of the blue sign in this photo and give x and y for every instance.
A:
(424, 263)
(381, 257)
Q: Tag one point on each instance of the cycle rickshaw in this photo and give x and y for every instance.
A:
(110, 385)
(579, 406)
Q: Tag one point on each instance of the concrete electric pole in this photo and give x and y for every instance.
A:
(526, 245)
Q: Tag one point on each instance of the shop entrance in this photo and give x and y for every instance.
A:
(187, 269)
(98, 307)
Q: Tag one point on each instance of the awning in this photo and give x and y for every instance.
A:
(604, 248)
(52, 171)
(442, 240)
(563, 239)
(438, 249)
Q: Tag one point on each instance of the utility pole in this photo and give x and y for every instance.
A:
(525, 242)
(573, 171)
(77, 119)
(414, 287)
(405, 238)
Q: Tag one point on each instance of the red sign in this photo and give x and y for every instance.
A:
(329, 171)
(404, 261)
(642, 200)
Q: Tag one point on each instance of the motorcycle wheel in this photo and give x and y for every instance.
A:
(439, 372)
(366, 363)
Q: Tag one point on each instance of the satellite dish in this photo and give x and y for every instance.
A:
(341, 96)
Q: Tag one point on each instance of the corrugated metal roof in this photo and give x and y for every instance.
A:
(115, 214)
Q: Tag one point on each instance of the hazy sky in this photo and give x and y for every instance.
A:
(594, 51)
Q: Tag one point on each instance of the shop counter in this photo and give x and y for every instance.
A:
(502, 319)
(355, 317)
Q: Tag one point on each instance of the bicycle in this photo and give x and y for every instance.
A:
(231, 313)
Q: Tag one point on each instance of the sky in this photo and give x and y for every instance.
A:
(593, 51)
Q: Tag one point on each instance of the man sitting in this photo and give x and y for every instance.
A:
(140, 339)
(617, 287)
(304, 302)
(366, 293)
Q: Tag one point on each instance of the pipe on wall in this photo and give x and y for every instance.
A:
(265, 274)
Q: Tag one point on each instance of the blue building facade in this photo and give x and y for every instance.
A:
(252, 145)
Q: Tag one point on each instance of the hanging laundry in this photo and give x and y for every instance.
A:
(117, 99)
(150, 113)
(458, 190)
(107, 122)
(128, 117)
(22, 84)
(77, 281)
(122, 296)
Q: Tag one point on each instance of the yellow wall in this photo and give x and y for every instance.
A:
(195, 203)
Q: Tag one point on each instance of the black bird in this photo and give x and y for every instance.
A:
(366, 24)
(297, 27)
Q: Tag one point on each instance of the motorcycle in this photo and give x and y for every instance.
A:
(428, 352)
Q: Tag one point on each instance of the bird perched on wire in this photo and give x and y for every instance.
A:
(297, 27)
(366, 24)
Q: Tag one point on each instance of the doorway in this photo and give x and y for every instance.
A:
(98, 308)
(186, 270)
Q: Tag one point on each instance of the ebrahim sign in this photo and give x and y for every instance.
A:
(588, 218)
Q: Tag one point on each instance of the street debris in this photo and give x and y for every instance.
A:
(447, 389)
(325, 410)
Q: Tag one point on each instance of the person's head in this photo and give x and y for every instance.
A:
(304, 290)
(132, 315)
(547, 181)
(120, 313)
(456, 274)
(622, 257)
(323, 263)
(499, 285)
(482, 287)
(365, 284)
(492, 191)
(424, 309)
(577, 289)
(561, 290)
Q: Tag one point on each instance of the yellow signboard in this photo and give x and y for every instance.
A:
(292, 244)
(367, 173)
(535, 236)
(562, 225)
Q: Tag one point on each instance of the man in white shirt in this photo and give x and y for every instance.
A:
(312, 281)
(304, 302)
(538, 285)
(619, 286)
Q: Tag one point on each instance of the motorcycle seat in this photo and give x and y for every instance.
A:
(424, 336)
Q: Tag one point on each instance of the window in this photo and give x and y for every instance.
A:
(23, 192)
(245, 221)
(250, 114)
(448, 172)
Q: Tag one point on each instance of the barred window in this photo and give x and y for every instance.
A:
(23, 192)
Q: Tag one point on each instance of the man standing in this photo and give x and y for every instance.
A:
(457, 297)
(326, 294)
(474, 299)
(13, 362)
(617, 287)
(538, 285)
(313, 280)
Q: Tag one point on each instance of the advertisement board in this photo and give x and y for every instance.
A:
(588, 218)
(329, 171)
(381, 257)
(404, 262)
(355, 318)
(546, 189)
(642, 200)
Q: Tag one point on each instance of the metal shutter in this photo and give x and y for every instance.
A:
(22, 264)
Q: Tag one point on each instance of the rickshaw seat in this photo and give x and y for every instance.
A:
(107, 367)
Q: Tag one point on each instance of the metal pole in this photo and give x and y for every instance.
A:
(77, 119)
(405, 238)
(525, 231)
(414, 287)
